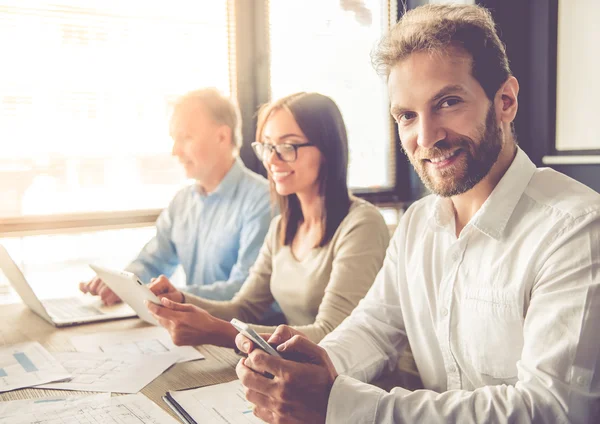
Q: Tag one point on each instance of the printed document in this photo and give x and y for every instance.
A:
(146, 340)
(28, 364)
(15, 407)
(111, 372)
(129, 409)
(222, 403)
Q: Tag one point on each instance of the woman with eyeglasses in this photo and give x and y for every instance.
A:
(320, 256)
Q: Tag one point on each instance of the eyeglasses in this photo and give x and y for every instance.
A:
(285, 151)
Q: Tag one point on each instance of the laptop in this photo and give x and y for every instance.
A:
(62, 312)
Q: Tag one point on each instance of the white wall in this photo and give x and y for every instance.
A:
(578, 75)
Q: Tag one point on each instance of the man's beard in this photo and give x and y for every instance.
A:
(467, 171)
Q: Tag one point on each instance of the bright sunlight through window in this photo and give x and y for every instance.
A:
(328, 52)
(85, 89)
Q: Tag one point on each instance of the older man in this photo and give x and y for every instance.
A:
(215, 227)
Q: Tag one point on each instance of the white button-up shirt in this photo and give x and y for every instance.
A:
(503, 321)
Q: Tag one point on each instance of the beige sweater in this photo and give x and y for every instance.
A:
(317, 293)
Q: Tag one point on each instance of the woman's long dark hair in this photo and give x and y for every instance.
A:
(321, 121)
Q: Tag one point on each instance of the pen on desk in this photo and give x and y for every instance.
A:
(166, 399)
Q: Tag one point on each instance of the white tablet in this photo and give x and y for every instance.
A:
(130, 289)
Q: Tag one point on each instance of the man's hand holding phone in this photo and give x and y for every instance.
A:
(254, 337)
(303, 376)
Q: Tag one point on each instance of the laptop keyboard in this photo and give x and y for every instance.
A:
(70, 308)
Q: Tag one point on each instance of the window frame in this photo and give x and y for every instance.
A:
(34, 225)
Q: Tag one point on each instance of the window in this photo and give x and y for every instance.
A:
(325, 46)
(85, 91)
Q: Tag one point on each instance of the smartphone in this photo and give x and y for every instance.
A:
(253, 335)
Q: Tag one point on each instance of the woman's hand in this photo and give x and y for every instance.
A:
(162, 287)
(189, 325)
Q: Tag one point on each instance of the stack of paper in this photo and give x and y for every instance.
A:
(28, 364)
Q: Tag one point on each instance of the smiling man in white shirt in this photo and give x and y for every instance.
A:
(494, 279)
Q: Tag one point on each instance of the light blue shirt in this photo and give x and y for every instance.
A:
(216, 237)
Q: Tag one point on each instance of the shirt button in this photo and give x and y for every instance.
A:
(444, 312)
(455, 257)
(580, 380)
(451, 369)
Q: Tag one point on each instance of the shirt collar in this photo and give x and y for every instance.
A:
(442, 214)
(229, 182)
(492, 217)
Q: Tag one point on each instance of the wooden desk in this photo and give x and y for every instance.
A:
(19, 324)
